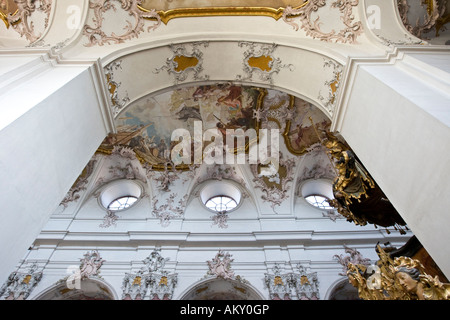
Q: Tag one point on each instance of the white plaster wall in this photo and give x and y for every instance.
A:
(397, 122)
(51, 125)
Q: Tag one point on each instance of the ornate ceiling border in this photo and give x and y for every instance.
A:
(274, 13)
(352, 29)
(19, 20)
(97, 37)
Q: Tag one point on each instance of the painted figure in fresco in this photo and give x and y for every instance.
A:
(232, 100)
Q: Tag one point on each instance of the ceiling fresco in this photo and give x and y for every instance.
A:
(146, 126)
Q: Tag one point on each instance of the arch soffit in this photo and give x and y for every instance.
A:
(303, 72)
(342, 281)
(254, 293)
(61, 284)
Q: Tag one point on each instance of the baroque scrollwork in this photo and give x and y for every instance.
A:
(301, 285)
(352, 256)
(259, 58)
(275, 187)
(164, 178)
(117, 102)
(79, 185)
(151, 281)
(182, 62)
(332, 85)
(91, 264)
(348, 34)
(169, 210)
(22, 20)
(109, 219)
(19, 285)
(401, 278)
(220, 219)
(220, 266)
(97, 36)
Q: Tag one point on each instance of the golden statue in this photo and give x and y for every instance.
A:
(402, 278)
(421, 286)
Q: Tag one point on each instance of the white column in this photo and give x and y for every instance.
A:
(396, 117)
(51, 123)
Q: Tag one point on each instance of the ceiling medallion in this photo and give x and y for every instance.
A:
(268, 8)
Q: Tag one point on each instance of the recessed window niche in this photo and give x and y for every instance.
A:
(120, 195)
(220, 196)
(317, 193)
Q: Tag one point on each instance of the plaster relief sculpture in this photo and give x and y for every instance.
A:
(96, 34)
(306, 284)
(352, 256)
(151, 281)
(220, 219)
(301, 285)
(279, 285)
(348, 34)
(220, 266)
(109, 219)
(91, 264)
(258, 58)
(163, 178)
(274, 187)
(117, 103)
(182, 62)
(169, 210)
(134, 286)
(79, 185)
(19, 285)
(23, 20)
(332, 86)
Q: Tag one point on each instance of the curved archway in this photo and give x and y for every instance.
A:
(221, 289)
(90, 289)
(342, 290)
(310, 75)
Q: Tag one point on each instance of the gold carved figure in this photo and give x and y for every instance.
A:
(402, 278)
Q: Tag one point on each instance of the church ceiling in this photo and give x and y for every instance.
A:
(147, 125)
